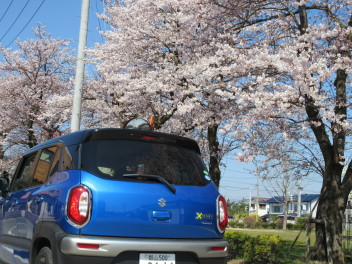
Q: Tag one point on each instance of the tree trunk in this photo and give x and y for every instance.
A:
(2, 152)
(284, 224)
(2, 156)
(334, 193)
(32, 141)
(214, 154)
(330, 215)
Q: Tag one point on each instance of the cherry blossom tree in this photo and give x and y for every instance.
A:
(149, 66)
(35, 78)
(296, 56)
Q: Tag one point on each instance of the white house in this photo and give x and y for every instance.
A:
(308, 202)
(259, 207)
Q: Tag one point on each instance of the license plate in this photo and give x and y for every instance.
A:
(156, 258)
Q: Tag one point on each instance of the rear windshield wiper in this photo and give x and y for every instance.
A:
(152, 177)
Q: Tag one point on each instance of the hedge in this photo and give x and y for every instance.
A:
(236, 242)
(262, 249)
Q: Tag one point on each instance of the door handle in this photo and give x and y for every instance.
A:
(161, 216)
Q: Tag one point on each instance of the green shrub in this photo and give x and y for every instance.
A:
(290, 226)
(265, 225)
(236, 242)
(261, 225)
(262, 249)
(258, 225)
(257, 217)
(274, 218)
(235, 224)
(249, 221)
(273, 225)
(240, 225)
(280, 223)
(300, 222)
(231, 224)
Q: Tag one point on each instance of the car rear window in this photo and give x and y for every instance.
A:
(111, 159)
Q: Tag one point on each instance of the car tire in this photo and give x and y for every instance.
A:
(45, 256)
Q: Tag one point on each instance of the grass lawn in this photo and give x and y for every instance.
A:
(296, 255)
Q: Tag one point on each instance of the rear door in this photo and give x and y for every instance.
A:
(150, 210)
(12, 244)
(24, 205)
(148, 188)
(29, 196)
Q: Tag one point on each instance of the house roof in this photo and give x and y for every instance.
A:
(308, 197)
(304, 198)
(260, 199)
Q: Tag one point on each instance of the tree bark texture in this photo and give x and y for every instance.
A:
(334, 193)
(284, 226)
(214, 154)
(32, 141)
(328, 245)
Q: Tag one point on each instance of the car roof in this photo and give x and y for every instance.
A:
(118, 134)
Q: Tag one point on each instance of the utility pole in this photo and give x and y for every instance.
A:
(257, 202)
(79, 75)
(299, 201)
(250, 200)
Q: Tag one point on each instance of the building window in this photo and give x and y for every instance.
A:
(262, 206)
(277, 209)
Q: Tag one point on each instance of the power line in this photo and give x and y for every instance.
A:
(15, 20)
(96, 8)
(36, 11)
(242, 172)
(234, 187)
(233, 181)
(236, 178)
(104, 8)
(7, 9)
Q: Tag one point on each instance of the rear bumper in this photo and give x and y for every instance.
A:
(112, 247)
(118, 250)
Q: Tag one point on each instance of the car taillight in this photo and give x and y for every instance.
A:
(78, 205)
(222, 215)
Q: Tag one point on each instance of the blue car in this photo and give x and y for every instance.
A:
(126, 196)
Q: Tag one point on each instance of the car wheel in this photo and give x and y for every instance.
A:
(45, 256)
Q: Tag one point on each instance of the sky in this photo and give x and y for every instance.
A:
(239, 182)
(61, 17)
(62, 20)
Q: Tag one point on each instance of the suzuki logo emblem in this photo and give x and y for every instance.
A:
(162, 202)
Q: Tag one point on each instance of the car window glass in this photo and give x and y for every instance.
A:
(68, 155)
(112, 159)
(45, 160)
(24, 178)
(56, 161)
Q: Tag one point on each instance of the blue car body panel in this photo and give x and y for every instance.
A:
(57, 190)
(132, 209)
